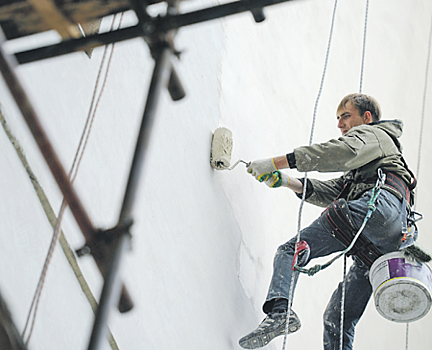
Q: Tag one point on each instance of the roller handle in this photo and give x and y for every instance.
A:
(237, 163)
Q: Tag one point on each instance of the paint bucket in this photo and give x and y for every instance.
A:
(402, 287)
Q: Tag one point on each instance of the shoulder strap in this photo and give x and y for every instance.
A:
(413, 183)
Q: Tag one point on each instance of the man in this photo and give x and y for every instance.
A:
(367, 144)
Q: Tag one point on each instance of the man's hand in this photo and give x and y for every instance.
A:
(276, 179)
(260, 168)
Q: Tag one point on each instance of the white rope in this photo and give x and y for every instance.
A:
(406, 336)
(49, 212)
(72, 175)
(345, 259)
(305, 178)
(364, 46)
(421, 141)
(342, 304)
(423, 106)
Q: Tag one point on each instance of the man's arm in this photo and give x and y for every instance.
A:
(321, 192)
(259, 169)
(277, 163)
(360, 146)
(295, 185)
(281, 162)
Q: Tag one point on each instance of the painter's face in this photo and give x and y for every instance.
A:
(348, 117)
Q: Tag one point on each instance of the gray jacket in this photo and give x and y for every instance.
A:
(359, 153)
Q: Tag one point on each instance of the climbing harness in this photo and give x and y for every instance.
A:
(371, 208)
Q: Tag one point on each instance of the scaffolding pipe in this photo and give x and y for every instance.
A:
(7, 64)
(150, 27)
(161, 74)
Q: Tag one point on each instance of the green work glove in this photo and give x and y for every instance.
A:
(262, 167)
(276, 179)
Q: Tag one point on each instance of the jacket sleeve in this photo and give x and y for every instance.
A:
(358, 147)
(322, 193)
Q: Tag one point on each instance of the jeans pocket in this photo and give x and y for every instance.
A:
(388, 210)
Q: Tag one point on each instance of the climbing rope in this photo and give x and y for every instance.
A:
(406, 336)
(371, 206)
(345, 258)
(342, 314)
(72, 175)
(364, 46)
(424, 105)
(49, 212)
(421, 140)
(305, 178)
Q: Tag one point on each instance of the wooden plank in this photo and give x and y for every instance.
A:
(55, 19)
(20, 18)
(91, 29)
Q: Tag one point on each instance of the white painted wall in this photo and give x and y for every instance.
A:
(203, 241)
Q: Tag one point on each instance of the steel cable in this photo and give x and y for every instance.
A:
(305, 178)
(345, 262)
(72, 175)
(424, 104)
(421, 140)
(364, 46)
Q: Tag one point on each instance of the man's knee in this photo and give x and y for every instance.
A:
(286, 248)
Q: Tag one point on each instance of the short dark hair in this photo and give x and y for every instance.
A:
(363, 103)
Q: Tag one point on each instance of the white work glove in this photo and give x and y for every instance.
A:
(277, 179)
(259, 168)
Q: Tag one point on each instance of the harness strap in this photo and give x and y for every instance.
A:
(396, 183)
(338, 217)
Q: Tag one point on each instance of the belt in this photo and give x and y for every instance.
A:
(395, 183)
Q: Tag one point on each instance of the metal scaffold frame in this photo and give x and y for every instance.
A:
(109, 246)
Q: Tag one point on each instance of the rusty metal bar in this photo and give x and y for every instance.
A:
(81, 44)
(7, 63)
(147, 28)
(9, 336)
(170, 22)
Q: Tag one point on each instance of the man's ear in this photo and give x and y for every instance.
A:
(368, 117)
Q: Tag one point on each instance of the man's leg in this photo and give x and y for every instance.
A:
(357, 294)
(321, 244)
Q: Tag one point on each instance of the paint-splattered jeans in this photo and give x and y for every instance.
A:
(383, 229)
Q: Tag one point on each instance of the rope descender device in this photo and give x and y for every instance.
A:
(301, 255)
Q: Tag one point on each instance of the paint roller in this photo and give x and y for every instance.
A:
(221, 148)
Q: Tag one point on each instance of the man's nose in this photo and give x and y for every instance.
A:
(340, 124)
